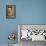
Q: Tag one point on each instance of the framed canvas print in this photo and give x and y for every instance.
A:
(11, 11)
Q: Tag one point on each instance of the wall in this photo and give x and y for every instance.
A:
(27, 12)
(31, 11)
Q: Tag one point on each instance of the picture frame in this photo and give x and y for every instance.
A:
(11, 11)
